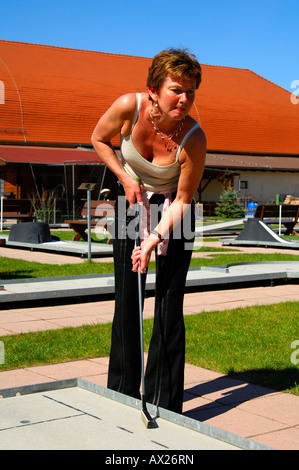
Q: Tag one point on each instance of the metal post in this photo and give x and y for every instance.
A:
(280, 208)
(54, 219)
(88, 187)
(89, 222)
(73, 195)
(1, 227)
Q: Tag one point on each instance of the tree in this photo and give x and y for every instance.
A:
(228, 206)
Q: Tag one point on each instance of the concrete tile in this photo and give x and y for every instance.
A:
(50, 313)
(92, 308)
(5, 332)
(194, 405)
(20, 377)
(284, 439)
(29, 326)
(195, 375)
(101, 360)
(70, 370)
(228, 391)
(80, 320)
(282, 407)
(234, 420)
(97, 379)
(14, 317)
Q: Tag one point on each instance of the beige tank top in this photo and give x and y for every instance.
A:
(154, 177)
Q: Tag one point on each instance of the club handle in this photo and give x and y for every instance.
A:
(137, 212)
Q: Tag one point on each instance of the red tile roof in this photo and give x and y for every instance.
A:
(56, 96)
(46, 155)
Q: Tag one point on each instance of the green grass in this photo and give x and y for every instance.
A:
(253, 344)
(223, 258)
(21, 269)
(55, 346)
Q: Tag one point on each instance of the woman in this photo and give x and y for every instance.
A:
(165, 148)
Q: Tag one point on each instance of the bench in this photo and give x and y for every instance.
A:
(269, 214)
(19, 209)
(208, 208)
(100, 212)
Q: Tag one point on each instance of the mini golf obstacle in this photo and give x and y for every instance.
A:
(63, 247)
(218, 227)
(36, 237)
(78, 415)
(257, 233)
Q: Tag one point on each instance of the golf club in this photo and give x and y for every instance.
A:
(146, 417)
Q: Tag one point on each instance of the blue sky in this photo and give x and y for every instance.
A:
(260, 35)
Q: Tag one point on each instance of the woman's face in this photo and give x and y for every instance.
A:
(175, 97)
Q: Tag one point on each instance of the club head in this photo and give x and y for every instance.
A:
(147, 419)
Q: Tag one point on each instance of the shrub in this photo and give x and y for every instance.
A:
(228, 206)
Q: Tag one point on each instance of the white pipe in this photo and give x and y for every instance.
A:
(1, 223)
(89, 222)
(54, 220)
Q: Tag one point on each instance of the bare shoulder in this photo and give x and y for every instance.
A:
(125, 104)
(120, 115)
(196, 145)
(198, 136)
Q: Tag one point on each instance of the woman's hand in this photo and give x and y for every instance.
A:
(136, 258)
(142, 254)
(133, 191)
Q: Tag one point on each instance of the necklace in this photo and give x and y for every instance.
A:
(167, 136)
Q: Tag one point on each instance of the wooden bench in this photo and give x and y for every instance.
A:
(208, 208)
(270, 215)
(100, 212)
(19, 209)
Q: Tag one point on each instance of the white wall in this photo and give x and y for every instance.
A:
(262, 186)
(212, 191)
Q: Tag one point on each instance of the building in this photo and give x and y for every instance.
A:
(51, 99)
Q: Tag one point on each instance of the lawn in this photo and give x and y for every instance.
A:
(21, 269)
(254, 343)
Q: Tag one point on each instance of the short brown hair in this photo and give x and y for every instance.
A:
(174, 63)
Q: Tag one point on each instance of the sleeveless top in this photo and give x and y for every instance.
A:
(154, 177)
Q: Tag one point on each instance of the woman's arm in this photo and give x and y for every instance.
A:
(117, 119)
(192, 160)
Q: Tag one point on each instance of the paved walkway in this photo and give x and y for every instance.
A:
(263, 415)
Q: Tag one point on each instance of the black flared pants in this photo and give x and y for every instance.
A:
(164, 376)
